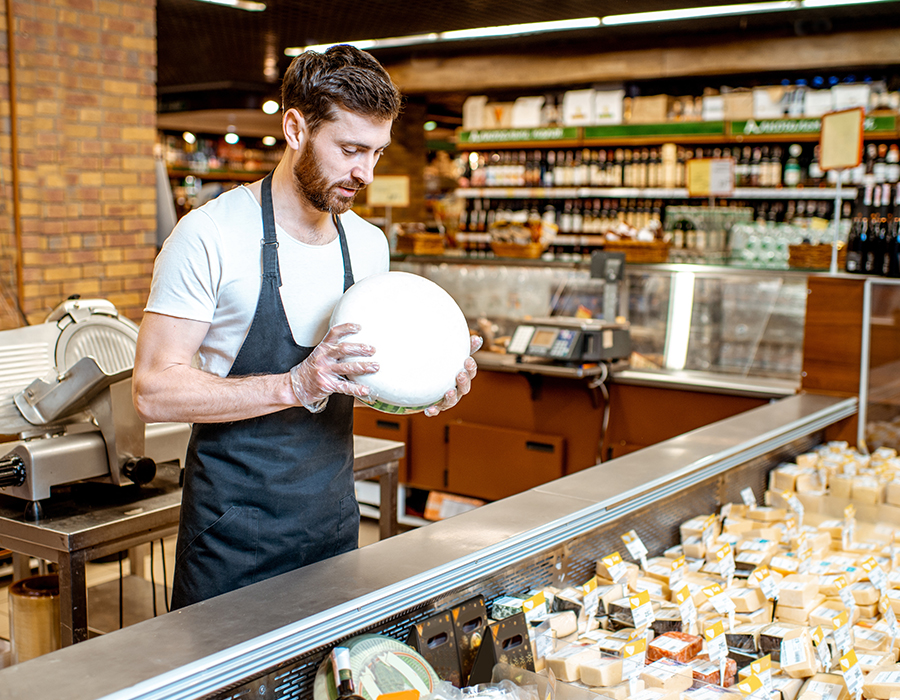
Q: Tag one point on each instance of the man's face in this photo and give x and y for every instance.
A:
(339, 159)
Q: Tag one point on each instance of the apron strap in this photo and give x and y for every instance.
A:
(345, 253)
(269, 241)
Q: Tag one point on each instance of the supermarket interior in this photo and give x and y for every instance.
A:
(668, 235)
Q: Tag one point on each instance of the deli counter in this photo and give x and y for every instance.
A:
(267, 640)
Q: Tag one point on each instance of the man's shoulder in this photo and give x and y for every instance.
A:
(352, 221)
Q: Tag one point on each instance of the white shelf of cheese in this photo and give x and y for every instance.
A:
(793, 586)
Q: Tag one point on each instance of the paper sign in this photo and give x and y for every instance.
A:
(725, 556)
(842, 634)
(721, 602)
(748, 497)
(716, 646)
(844, 591)
(853, 675)
(794, 504)
(876, 574)
(686, 607)
(676, 573)
(591, 600)
(753, 688)
(888, 615)
(535, 607)
(635, 547)
(762, 669)
(615, 566)
(763, 577)
(823, 651)
(709, 530)
(388, 191)
(841, 139)
(641, 609)
(633, 655)
(710, 176)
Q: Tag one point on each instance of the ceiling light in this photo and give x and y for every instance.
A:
(269, 140)
(430, 126)
(270, 106)
(699, 12)
(189, 137)
(457, 35)
(248, 5)
(231, 138)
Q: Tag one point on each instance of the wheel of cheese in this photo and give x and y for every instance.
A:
(379, 665)
(419, 333)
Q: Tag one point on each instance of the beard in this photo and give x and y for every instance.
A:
(312, 185)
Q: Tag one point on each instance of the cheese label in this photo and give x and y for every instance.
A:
(686, 607)
(794, 504)
(845, 592)
(535, 606)
(793, 651)
(725, 556)
(842, 632)
(669, 644)
(888, 677)
(709, 530)
(591, 600)
(641, 609)
(633, 655)
(676, 573)
(763, 578)
(715, 641)
(636, 547)
(762, 669)
(748, 497)
(876, 574)
(888, 615)
(753, 688)
(853, 675)
(615, 566)
(828, 691)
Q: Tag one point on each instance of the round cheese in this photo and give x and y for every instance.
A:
(419, 333)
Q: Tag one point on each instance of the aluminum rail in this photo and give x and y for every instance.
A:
(236, 637)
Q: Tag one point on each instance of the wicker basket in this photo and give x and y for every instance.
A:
(517, 250)
(640, 251)
(420, 243)
(805, 256)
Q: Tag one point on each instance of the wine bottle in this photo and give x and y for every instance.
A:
(892, 246)
(343, 677)
(857, 240)
(873, 252)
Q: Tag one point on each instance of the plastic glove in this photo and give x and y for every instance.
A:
(325, 371)
(463, 381)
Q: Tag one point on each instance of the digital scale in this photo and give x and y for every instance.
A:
(574, 340)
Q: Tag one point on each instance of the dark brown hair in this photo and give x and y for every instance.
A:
(316, 83)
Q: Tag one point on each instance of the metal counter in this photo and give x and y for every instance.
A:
(266, 641)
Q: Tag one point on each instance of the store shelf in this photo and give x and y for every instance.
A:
(219, 175)
(826, 193)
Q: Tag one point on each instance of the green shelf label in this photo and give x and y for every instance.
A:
(612, 131)
(805, 126)
(550, 133)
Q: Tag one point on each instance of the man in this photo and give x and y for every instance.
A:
(247, 283)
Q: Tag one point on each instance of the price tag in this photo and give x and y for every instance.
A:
(633, 655)
(887, 614)
(709, 531)
(615, 566)
(790, 524)
(636, 547)
(823, 651)
(676, 573)
(641, 609)
(794, 504)
(848, 531)
(753, 688)
(591, 600)
(686, 607)
(846, 594)
(748, 497)
(762, 669)
(842, 633)
(716, 646)
(804, 553)
(721, 602)
(853, 675)
(763, 578)
(725, 556)
(876, 574)
(535, 606)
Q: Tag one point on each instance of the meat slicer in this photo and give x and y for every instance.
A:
(66, 407)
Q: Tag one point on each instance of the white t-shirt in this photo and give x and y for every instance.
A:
(210, 268)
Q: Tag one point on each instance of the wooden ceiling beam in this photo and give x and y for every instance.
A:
(475, 74)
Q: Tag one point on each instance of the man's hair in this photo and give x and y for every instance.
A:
(315, 84)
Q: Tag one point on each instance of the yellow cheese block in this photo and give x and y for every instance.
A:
(840, 486)
(870, 660)
(882, 682)
(799, 616)
(565, 661)
(622, 691)
(766, 513)
(867, 490)
(864, 593)
(829, 685)
(870, 639)
(798, 658)
(667, 675)
(825, 613)
(746, 599)
(797, 590)
(600, 671)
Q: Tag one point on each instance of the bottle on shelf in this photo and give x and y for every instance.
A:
(892, 245)
(879, 163)
(858, 238)
(792, 173)
(873, 257)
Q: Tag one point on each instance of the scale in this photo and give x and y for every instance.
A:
(575, 340)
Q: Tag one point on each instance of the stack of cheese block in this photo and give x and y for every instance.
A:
(589, 652)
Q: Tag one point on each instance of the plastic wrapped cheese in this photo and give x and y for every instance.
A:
(679, 646)
(830, 686)
(565, 661)
(600, 671)
(882, 682)
(667, 675)
(797, 590)
(797, 656)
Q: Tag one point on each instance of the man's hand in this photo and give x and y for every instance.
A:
(325, 371)
(463, 382)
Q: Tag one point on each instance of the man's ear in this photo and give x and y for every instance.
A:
(294, 126)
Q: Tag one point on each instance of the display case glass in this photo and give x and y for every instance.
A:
(707, 320)
(880, 376)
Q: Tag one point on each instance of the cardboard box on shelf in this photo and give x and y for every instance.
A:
(768, 102)
(649, 109)
(578, 107)
(608, 106)
(738, 105)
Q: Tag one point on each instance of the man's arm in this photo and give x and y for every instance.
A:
(166, 388)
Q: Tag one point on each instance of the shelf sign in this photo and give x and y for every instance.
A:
(550, 133)
(841, 140)
(710, 177)
(800, 127)
(609, 131)
(388, 191)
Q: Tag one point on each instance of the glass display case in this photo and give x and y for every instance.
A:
(879, 392)
(686, 320)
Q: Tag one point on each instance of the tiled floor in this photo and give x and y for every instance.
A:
(102, 573)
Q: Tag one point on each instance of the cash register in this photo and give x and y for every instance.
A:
(584, 326)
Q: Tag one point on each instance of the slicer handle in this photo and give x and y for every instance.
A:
(12, 471)
(141, 470)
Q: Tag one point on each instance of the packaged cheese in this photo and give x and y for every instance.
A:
(667, 675)
(766, 513)
(746, 599)
(744, 637)
(600, 670)
(706, 671)
(864, 593)
(679, 646)
(870, 639)
(830, 686)
(622, 691)
(786, 688)
(797, 590)
(797, 656)
(565, 661)
(881, 682)
(869, 660)
(799, 616)
(770, 638)
(825, 613)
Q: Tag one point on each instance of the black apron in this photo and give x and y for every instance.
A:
(266, 495)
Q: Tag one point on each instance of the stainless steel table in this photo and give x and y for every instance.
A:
(89, 521)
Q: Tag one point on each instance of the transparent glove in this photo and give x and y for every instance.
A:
(463, 381)
(326, 369)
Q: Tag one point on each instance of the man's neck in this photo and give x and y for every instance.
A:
(294, 215)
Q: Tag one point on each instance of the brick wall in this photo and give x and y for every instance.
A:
(86, 102)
